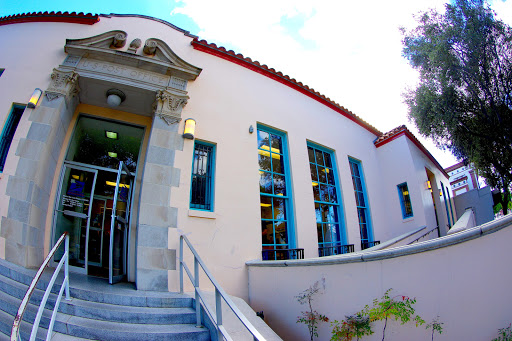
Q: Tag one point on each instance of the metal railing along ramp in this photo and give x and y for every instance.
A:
(220, 295)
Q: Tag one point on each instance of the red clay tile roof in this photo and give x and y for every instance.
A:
(73, 17)
(402, 130)
(221, 52)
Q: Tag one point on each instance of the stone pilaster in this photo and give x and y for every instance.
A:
(37, 153)
(156, 216)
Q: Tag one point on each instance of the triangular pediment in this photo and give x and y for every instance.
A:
(116, 47)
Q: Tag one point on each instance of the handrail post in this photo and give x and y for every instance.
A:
(181, 264)
(66, 266)
(196, 287)
(218, 312)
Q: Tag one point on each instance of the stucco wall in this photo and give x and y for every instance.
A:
(469, 290)
(397, 166)
(225, 100)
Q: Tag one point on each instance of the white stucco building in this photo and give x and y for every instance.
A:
(275, 169)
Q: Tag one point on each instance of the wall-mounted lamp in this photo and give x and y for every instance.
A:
(35, 98)
(428, 185)
(251, 129)
(190, 128)
(440, 193)
(115, 97)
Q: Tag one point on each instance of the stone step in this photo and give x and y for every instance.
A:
(127, 314)
(120, 294)
(110, 331)
(6, 321)
(97, 310)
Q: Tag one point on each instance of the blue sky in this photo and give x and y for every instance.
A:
(349, 51)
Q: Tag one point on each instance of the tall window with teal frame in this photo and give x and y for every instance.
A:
(363, 213)
(8, 132)
(203, 167)
(405, 200)
(275, 203)
(329, 218)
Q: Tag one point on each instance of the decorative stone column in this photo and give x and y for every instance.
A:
(156, 216)
(36, 160)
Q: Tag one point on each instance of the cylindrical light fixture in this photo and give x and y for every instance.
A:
(115, 97)
(35, 98)
(190, 128)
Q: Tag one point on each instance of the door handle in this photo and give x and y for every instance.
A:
(73, 214)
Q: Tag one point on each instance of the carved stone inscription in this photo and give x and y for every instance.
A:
(123, 71)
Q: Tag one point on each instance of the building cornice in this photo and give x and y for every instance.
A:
(64, 17)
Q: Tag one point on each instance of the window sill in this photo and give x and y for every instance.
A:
(406, 220)
(202, 214)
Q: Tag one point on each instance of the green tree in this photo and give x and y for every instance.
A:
(464, 98)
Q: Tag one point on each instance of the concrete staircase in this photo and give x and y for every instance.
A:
(97, 310)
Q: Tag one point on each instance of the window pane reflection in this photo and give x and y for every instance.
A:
(326, 200)
(273, 199)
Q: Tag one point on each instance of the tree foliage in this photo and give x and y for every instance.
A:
(464, 98)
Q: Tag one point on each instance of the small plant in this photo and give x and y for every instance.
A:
(397, 307)
(311, 318)
(356, 325)
(436, 326)
(505, 334)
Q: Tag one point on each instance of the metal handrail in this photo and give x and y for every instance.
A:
(65, 286)
(219, 295)
(429, 232)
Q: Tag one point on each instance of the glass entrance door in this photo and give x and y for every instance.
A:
(94, 209)
(73, 212)
(119, 225)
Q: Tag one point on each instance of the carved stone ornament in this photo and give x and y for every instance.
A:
(119, 40)
(64, 83)
(168, 106)
(150, 47)
(134, 45)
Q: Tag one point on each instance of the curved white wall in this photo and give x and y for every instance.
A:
(464, 278)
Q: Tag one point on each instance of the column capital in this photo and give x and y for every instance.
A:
(63, 83)
(168, 105)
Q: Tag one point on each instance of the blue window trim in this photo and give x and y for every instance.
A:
(8, 131)
(367, 208)
(342, 237)
(212, 175)
(446, 206)
(289, 192)
(402, 200)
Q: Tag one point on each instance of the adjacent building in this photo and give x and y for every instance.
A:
(463, 178)
(138, 132)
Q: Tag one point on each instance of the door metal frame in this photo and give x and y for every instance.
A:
(65, 165)
(115, 219)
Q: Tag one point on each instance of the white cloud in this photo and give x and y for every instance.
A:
(355, 58)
